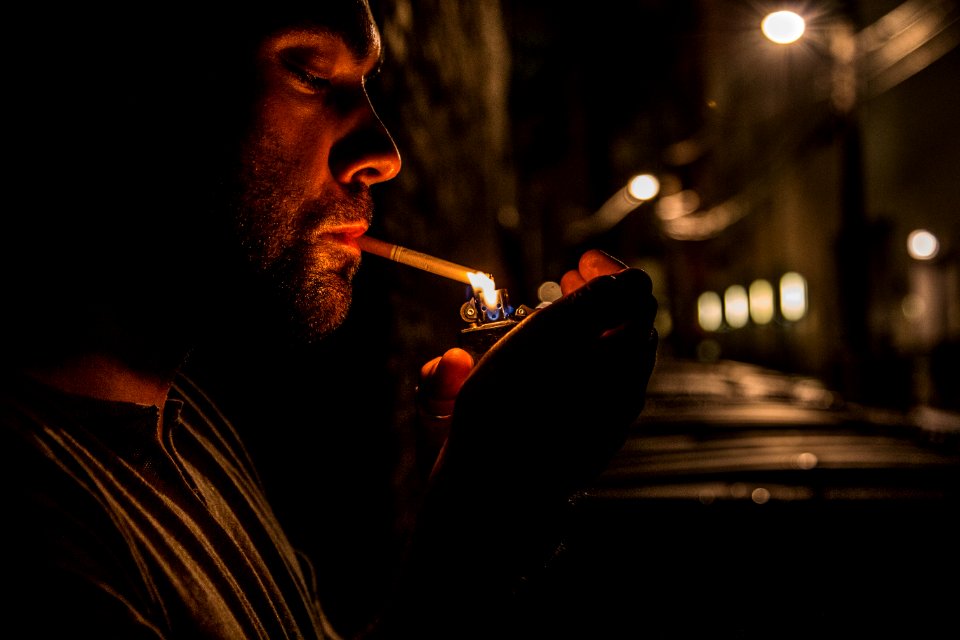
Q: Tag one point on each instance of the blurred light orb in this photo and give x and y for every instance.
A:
(549, 291)
(783, 27)
(761, 301)
(644, 186)
(678, 204)
(735, 306)
(807, 460)
(793, 296)
(710, 311)
(922, 245)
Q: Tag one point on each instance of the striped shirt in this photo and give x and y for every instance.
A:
(121, 525)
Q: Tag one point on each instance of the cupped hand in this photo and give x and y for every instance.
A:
(535, 419)
(546, 408)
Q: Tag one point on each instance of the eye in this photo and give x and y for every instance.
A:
(315, 82)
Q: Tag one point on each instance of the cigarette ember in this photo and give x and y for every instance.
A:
(418, 260)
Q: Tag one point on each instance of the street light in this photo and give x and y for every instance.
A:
(922, 245)
(783, 27)
(639, 189)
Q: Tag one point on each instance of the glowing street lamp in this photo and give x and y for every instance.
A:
(783, 27)
(639, 189)
(922, 245)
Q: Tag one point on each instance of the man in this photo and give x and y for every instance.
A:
(177, 168)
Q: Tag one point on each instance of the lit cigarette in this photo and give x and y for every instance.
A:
(416, 259)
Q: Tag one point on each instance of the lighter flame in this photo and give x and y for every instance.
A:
(488, 290)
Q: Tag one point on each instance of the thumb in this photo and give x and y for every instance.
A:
(440, 382)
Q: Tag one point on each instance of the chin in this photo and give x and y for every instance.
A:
(319, 310)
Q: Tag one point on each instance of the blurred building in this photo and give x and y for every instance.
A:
(792, 176)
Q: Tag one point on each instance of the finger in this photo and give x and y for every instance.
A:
(571, 281)
(592, 263)
(595, 263)
(441, 379)
(450, 372)
(426, 371)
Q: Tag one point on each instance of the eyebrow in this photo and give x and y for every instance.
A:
(350, 20)
(361, 46)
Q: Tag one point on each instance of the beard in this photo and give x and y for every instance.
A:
(315, 286)
(308, 276)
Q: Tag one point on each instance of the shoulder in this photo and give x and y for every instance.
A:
(63, 550)
(199, 414)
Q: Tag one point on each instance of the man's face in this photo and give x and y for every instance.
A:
(315, 149)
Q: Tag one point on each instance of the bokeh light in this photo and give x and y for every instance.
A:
(736, 308)
(783, 27)
(761, 301)
(644, 186)
(710, 310)
(922, 245)
(793, 296)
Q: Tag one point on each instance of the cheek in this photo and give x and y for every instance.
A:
(299, 133)
(265, 208)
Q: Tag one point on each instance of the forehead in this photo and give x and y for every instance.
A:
(350, 20)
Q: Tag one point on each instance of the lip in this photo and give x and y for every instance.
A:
(345, 234)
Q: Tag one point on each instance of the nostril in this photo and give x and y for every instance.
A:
(367, 157)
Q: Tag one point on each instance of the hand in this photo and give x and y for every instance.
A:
(546, 408)
(539, 415)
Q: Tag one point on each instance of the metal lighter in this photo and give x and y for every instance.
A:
(488, 322)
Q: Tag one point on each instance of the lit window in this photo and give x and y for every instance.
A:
(710, 310)
(735, 306)
(761, 301)
(793, 296)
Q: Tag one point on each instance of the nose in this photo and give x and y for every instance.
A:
(367, 154)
